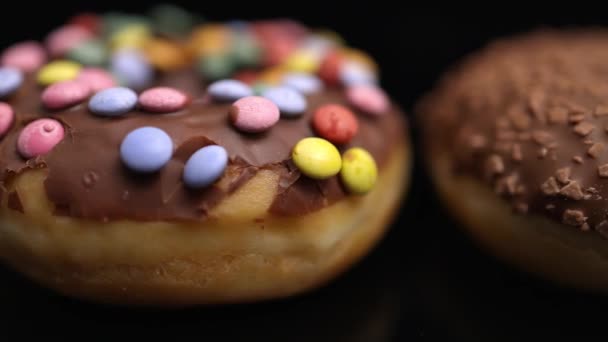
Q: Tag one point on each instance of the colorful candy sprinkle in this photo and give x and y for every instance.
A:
(290, 102)
(7, 116)
(132, 69)
(229, 90)
(39, 137)
(254, 114)
(57, 71)
(359, 171)
(146, 149)
(26, 56)
(63, 39)
(88, 21)
(205, 166)
(302, 82)
(330, 67)
(113, 101)
(165, 55)
(10, 80)
(316, 158)
(302, 61)
(335, 123)
(96, 78)
(171, 20)
(131, 36)
(368, 98)
(64, 94)
(215, 67)
(91, 52)
(352, 73)
(163, 100)
(245, 51)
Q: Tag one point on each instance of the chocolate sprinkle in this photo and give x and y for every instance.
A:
(556, 77)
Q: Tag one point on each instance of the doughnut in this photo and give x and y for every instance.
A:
(515, 140)
(163, 161)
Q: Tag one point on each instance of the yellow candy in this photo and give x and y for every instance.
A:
(165, 55)
(330, 35)
(210, 39)
(59, 70)
(132, 36)
(273, 75)
(360, 57)
(316, 158)
(359, 171)
(302, 61)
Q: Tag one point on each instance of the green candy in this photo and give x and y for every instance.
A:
(114, 22)
(216, 67)
(90, 53)
(245, 51)
(259, 87)
(172, 20)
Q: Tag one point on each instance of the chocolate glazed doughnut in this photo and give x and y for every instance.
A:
(521, 159)
(79, 217)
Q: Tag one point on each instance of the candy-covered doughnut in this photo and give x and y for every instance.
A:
(161, 160)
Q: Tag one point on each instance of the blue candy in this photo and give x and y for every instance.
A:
(289, 101)
(146, 149)
(113, 101)
(132, 69)
(229, 90)
(302, 82)
(10, 80)
(205, 166)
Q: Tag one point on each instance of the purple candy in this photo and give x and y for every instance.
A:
(132, 69)
(229, 90)
(146, 149)
(205, 166)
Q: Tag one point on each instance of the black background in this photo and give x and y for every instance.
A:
(426, 280)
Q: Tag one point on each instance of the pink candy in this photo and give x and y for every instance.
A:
(39, 137)
(96, 78)
(368, 98)
(26, 56)
(64, 38)
(6, 117)
(163, 100)
(254, 114)
(65, 94)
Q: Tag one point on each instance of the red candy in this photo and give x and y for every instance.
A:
(368, 98)
(89, 21)
(96, 78)
(65, 38)
(27, 56)
(6, 117)
(247, 76)
(163, 100)
(329, 70)
(65, 94)
(335, 123)
(39, 137)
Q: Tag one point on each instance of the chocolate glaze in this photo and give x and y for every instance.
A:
(86, 178)
(529, 117)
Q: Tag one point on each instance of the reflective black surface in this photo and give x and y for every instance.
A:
(425, 282)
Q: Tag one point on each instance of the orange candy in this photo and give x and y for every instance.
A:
(166, 55)
(335, 123)
(210, 39)
(329, 70)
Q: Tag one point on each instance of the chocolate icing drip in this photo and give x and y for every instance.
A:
(86, 178)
